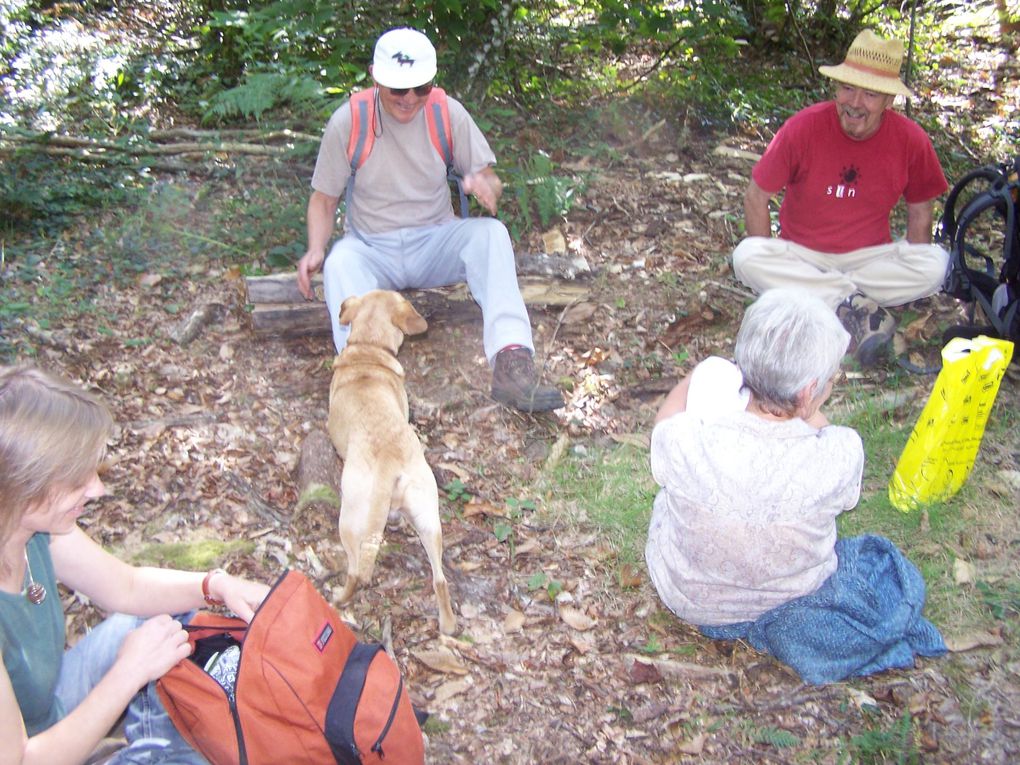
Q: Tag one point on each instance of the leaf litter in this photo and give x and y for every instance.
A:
(209, 436)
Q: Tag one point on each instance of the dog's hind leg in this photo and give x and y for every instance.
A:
(434, 549)
(363, 512)
(360, 563)
(421, 503)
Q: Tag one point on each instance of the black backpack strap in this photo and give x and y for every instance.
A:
(949, 223)
(344, 705)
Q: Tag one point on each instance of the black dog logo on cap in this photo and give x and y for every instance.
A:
(403, 59)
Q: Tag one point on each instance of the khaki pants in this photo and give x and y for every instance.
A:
(890, 274)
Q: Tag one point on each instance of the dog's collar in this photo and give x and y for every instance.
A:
(370, 345)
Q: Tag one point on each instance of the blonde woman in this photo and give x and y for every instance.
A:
(57, 706)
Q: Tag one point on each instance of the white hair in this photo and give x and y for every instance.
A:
(789, 338)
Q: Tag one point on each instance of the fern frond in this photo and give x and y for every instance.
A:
(777, 737)
(261, 92)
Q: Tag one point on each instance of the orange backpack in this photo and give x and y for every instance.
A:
(362, 139)
(306, 690)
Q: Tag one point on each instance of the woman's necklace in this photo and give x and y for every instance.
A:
(34, 592)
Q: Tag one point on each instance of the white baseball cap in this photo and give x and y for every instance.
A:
(404, 58)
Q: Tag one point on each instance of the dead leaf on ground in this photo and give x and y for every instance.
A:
(650, 711)
(637, 440)
(971, 640)
(583, 647)
(576, 618)
(451, 688)
(682, 329)
(528, 546)
(643, 672)
(595, 356)
(554, 241)
(695, 746)
(915, 330)
(899, 343)
(470, 611)
(579, 313)
(861, 699)
(683, 670)
(513, 622)
(631, 575)
(471, 509)
(722, 150)
(964, 571)
(441, 659)
(457, 470)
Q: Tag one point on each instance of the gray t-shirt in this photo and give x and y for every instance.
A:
(403, 181)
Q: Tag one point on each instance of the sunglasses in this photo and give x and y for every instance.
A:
(421, 90)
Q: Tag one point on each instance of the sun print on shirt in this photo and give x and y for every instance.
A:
(848, 179)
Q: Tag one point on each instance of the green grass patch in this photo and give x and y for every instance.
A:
(200, 555)
(936, 536)
(435, 726)
(893, 743)
(611, 489)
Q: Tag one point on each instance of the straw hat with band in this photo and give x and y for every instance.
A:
(872, 64)
(404, 58)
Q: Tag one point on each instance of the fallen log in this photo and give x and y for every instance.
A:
(318, 475)
(276, 308)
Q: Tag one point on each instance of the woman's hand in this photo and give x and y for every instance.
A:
(239, 595)
(150, 651)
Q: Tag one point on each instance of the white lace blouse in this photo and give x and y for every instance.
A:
(746, 516)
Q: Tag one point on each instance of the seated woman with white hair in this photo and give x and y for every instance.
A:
(752, 473)
(753, 476)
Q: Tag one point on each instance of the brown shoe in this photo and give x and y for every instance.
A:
(514, 383)
(871, 328)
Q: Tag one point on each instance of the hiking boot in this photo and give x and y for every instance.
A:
(514, 383)
(871, 328)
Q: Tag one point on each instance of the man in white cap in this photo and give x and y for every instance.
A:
(400, 230)
(844, 165)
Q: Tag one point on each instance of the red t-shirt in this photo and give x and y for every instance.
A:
(840, 192)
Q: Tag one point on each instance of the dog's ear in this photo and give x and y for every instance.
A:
(408, 320)
(348, 308)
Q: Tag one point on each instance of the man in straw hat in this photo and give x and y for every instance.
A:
(399, 227)
(844, 165)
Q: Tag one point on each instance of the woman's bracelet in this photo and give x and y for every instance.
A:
(209, 599)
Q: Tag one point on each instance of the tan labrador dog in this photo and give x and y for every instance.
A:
(384, 464)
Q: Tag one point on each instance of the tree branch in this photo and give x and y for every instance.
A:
(142, 149)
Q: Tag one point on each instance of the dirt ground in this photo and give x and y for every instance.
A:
(210, 435)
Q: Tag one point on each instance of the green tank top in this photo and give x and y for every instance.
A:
(32, 638)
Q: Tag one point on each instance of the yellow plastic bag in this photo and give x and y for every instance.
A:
(941, 450)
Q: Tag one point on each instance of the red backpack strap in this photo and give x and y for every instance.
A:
(437, 116)
(362, 139)
(359, 145)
